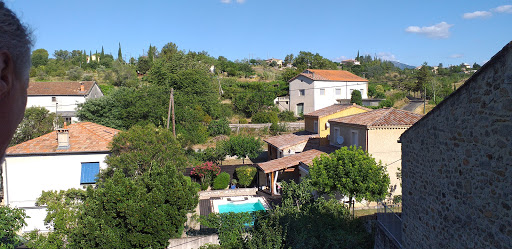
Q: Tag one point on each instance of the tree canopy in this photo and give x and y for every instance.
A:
(243, 146)
(36, 122)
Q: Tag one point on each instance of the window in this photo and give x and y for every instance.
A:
(354, 139)
(336, 135)
(322, 91)
(89, 172)
(338, 91)
(302, 92)
(54, 99)
(300, 108)
(67, 120)
(315, 128)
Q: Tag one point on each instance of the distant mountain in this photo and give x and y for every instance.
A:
(402, 65)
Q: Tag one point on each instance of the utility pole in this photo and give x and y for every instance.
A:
(171, 109)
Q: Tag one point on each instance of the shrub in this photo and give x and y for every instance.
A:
(356, 97)
(276, 129)
(386, 103)
(11, 221)
(221, 181)
(287, 116)
(205, 172)
(265, 117)
(243, 121)
(219, 127)
(397, 199)
(245, 175)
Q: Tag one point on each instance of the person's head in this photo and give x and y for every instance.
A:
(15, 45)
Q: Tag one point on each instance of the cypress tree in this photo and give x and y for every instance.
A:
(102, 53)
(119, 54)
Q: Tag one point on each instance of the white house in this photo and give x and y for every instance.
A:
(60, 160)
(315, 89)
(62, 97)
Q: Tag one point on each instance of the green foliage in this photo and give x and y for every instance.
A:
(219, 127)
(386, 103)
(221, 181)
(397, 199)
(11, 221)
(63, 209)
(39, 57)
(243, 121)
(297, 195)
(106, 89)
(144, 64)
(142, 148)
(267, 232)
(242, 146)
(245, 175)
(230, 227)
(287, 116)
(206, 172)
(75, 73)
(36, 122)
(265, 117)
(308, 60)
(352, 172)
(355, 97)
(249, 99)
(124, 75)
(276, 129)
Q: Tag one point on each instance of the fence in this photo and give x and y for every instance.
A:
(289, 126)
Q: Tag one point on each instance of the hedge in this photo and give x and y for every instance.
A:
(221, 181)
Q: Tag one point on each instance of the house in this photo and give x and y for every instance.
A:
(350, 61)
(62, 97)
(376, 132)
(316, 122)
(60, 160)
(279, 62)
(457, 174)
(289, 144)
(314, 89)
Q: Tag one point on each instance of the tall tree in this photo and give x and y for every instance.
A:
(39, 57)
(355, 97)
(119, 54)
(36, 122)
(102, 53)
(352, 172)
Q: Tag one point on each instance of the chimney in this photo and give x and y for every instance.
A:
(63, 139)
(82, 87)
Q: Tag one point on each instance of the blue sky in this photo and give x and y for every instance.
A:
(412, 32)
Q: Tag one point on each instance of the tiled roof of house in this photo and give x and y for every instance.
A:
(329, 75)
(83, 137)
(59, 88)
(381, 117)
(333, 109)
(305, 157)
(287, 140)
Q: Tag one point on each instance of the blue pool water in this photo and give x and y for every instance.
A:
(238, 208)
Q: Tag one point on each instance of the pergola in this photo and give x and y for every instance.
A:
(271, 168)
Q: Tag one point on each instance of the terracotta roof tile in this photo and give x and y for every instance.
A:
(333, 109)
(305, 157)
(381, 117)
(287, 140)
(329, 75)
(83, 137)
(59, 88)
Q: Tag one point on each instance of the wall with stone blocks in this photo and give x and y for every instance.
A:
(457, 166)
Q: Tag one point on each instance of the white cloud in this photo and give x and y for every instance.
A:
(440, 30)
(477, 14)
(225, 1)
(386, 56)
(456, 56)
(503, 9)
(230, 1)
(340, 58)
(240, 1)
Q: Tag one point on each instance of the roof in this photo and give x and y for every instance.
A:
(380, 117)
(287, 140)
(333, 109)
(59, 88)
(505, 51)
(329, 75)
(305, 157)
(83, 137)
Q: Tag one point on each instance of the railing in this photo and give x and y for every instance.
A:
(389, 217)
(289, 126)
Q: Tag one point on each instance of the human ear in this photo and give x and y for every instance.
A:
(6, 73)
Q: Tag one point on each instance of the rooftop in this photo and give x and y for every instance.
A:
(329, 75)
(83, 137)
(287, 140)
(59, 88)
(305, 157)
(380, 117)
(333, 109)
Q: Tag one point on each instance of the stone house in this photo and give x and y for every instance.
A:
(457, 165)
(377, 132)
(67, 158)
(62, 97)
(314, 89)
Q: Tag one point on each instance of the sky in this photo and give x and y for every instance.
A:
(409, 31)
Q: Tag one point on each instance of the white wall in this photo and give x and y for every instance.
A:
(301, 82)
(26, 177)
(65, 103)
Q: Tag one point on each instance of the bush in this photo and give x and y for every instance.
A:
(11, 221)
(276, 129)
(221, 181)
(287, 116)
(219, 127)
(386, 103)
(397, 199)
(245, 175)
(265, 117)
(356, 97)
(243, 121)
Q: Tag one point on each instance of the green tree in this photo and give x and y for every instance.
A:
(219, 127)
(243, 146)
(61, 55)
(245, 175)
(355, 97)
(36, 122)
(230, 227)
(102, 53)
(352, 172)
(11, 221)
(39, 57)
(143, 64)
(124, 75)
(221, 181)
(120, 54)
(75, 73)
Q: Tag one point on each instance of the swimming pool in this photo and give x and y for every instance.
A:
(239, 204)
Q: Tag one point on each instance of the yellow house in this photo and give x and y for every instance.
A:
(316, 122)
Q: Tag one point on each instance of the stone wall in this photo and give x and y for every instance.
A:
(457, 166)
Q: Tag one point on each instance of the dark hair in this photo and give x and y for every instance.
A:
(16, 39)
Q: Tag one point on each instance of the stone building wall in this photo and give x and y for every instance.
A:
(457, 166)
